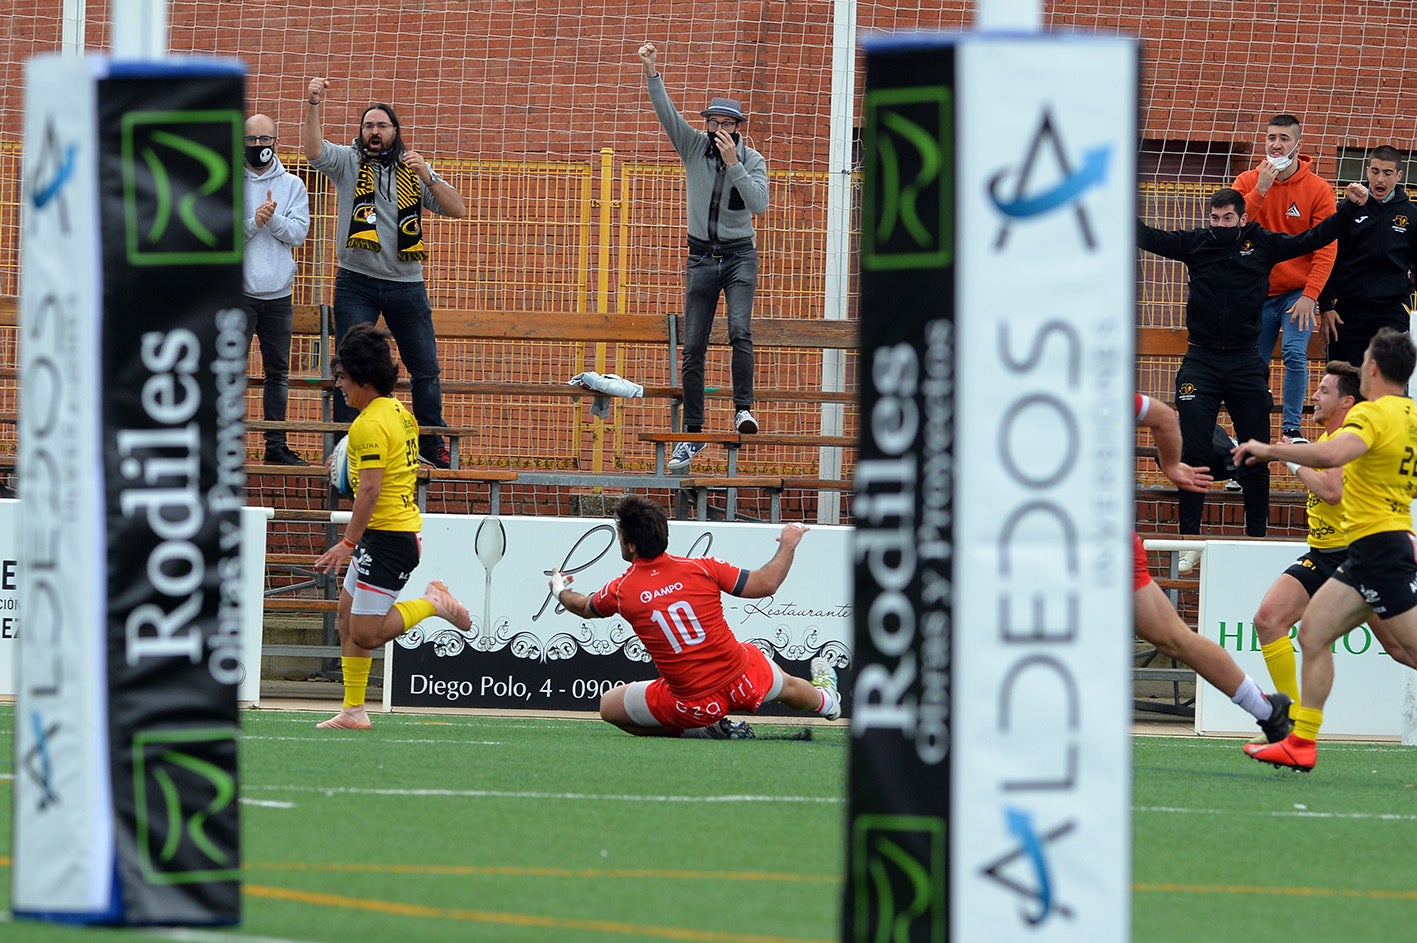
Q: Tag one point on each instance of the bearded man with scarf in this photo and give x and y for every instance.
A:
(382, 187)
(1229, 264)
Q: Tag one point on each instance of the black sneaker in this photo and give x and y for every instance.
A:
(1279, 724)
(727, 729)
(282, 455)
(435, 455)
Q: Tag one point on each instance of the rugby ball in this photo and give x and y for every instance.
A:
(339, 468)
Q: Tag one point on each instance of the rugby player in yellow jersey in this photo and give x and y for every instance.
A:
(382, 538)
(1378, 444)
(1284, 602)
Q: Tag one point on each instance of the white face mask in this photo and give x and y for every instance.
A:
(1281, 164)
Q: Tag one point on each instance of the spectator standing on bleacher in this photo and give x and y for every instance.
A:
(382, 188)
(1283, 194)
(381, 541)
(277, 220)
(1371, 281)
(726, 182)
(1229, 262)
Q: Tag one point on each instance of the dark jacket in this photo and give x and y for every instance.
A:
(1229, 282)
(1376, 250)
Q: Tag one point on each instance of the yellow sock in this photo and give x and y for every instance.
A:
(414, 611)
(356, 679)
(1283, 670)
(1307, 721)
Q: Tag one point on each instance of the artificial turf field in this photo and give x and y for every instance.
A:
(552, 831)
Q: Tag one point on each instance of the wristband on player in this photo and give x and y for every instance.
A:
(347, 542)
(1292, 466)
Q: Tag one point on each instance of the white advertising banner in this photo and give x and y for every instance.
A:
(1370, 691)
(1045, 184)
(9, 597)
(524, 651)
(253, 568)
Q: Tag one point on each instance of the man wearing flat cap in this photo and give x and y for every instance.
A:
(726, 183)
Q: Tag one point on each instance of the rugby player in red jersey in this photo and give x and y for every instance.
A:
(674, 604)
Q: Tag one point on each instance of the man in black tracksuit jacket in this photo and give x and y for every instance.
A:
(1228, 263)
(1376, 251)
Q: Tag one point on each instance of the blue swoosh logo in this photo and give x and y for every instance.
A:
(1021, 827)
(1092, 172)
(43, 195)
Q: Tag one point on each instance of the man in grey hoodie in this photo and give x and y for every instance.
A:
(277, 220)
(727, 184)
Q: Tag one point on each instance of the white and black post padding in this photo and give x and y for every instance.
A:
(133, 355)
(989, 766)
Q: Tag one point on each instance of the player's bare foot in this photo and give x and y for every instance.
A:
(446, 606)
(351, 718)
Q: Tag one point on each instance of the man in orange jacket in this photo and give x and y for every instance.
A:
(1283, 194)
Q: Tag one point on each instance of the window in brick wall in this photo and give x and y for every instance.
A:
(1186, 160)
(1353, 166)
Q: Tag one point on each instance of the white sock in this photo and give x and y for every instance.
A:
(1252, 699)
(830, 702)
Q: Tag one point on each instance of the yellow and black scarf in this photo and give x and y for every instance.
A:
(362, 232)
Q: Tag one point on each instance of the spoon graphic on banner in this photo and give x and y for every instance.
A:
(490, 544)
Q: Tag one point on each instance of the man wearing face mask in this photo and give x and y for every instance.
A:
(1229, 265)
(382, 188)
(1370, 283)
(726, 183)
(277, 220)
(1283, 194)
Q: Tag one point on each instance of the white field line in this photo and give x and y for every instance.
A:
(566, 796)
(326, 738)
(192, 935)
(1279, 814)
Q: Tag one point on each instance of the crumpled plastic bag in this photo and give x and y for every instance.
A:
(606, 386)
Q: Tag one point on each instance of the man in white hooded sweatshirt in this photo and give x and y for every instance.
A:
(277, 220)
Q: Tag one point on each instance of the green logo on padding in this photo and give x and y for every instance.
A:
(182, 199)
(907, 218)
(184, 805)
(898, 872)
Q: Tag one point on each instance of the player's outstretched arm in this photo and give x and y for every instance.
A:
(765, 580)
(1166, 432)
(575, 602)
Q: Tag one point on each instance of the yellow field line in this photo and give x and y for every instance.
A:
(618, 928)
(1269, 890)
(459, 870)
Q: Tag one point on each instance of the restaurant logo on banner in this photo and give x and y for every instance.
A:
(182, 197)
(907, 221)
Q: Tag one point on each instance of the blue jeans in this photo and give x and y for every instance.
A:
(271, 320)
(360, 299)
(735, 275)
(1295, 351)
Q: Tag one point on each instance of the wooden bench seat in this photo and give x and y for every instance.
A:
(493, 478)
(733, 442)
(697, 487)
(454, 434)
